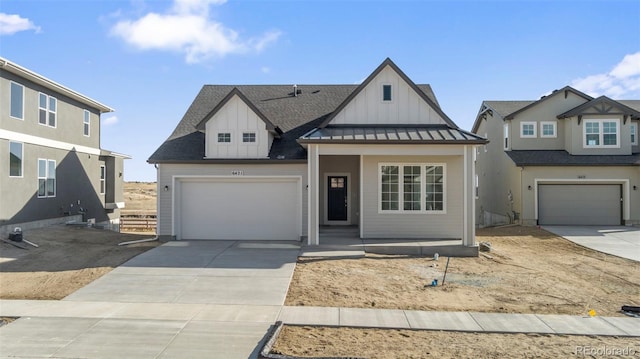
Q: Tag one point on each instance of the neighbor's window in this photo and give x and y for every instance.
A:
(15, 159)
(103, 178)
(86, 121)
(506, 136)
(17, 101)
(47, 110)
(224, 137)
(411, 188)
(527, 129)
(634, 133)
(386, 92)
(249, 137)
(46, 178)
(548, 129)
(601, 133)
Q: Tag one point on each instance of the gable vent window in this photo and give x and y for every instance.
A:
(386, 92)
(249, 137)
(224, 137)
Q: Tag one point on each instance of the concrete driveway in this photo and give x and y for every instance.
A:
(620, 241)
(191, 299)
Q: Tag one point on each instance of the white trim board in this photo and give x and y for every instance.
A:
(40, 141)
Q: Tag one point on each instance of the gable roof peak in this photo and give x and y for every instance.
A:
(236, 92)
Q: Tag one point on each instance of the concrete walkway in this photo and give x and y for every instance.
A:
(621, 241)
(218, 300)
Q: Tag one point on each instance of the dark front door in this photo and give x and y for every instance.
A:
(337, 198)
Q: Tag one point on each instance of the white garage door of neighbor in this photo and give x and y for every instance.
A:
(240, 209)
(584, 204)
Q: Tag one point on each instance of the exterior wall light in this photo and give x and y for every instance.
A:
(166, 188)
(529, 188)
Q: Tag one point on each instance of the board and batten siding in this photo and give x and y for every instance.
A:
(235, 117)
(166, 173)
(408, 225)
(406, 106)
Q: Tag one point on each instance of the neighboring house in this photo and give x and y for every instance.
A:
(566, 159)
(52, 164)
(278, 162)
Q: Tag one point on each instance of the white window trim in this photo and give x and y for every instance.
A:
(555, 129)
(224, 143)
(477, 186)
(46, 178)
(601, 133)
(423, 188)
(21, 159)
(633, 128)
(255, 136)
(22, 86)
(522, 124)
(47, 110)
(103, 179)
(505, 140)
(86, 115)
(382, 92)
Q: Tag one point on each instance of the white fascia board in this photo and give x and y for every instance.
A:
(52, 85)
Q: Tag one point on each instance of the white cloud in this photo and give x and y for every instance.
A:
(10, 24)
(622, 81)
(109, 121)
(265, 69)
(187, 28)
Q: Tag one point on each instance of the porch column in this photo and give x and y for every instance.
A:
(313, 193)
(469, 220)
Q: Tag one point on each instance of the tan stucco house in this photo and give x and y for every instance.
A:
(281, 162)
(565, 159)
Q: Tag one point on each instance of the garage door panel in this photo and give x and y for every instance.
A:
(579, 204)
(240, 209)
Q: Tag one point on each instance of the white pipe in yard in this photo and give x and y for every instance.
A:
(139, 241)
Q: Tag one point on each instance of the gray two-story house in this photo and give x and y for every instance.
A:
(52, 165)
(565, 159)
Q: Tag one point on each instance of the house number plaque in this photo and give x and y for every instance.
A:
(237, 173)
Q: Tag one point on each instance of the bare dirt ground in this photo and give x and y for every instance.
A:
(140, 197)
(393, 344)
(69, 258)
(529, 271)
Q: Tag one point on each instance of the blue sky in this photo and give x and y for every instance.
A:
(149, 59)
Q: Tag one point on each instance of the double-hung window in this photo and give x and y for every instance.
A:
(47, 107)
(601, 133)
(15, 159)
(46, 178)
(506, 136)
(248, 137)
(633, 128)
(17, 101)
(86, 123)
(412, 188)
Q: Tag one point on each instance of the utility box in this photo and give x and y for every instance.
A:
(16, 235)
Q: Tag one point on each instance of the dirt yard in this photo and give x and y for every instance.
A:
(393, 344)
(67, 259)
(529, 270)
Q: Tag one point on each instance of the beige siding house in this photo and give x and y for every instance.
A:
(279, 162)
(565, 159)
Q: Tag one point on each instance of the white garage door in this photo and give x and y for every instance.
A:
(579, 204)
(265, 209)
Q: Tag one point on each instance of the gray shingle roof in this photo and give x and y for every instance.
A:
(563, 158)
(293, 115)
(505, 108)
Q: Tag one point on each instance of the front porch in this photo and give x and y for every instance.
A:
(345, 241)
